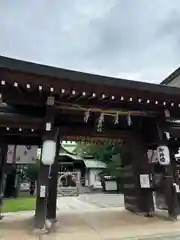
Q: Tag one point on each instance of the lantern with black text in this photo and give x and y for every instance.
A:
(163, 155)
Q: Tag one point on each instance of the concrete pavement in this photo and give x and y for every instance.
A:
(91, 217)
(104, 200)
(97, 225)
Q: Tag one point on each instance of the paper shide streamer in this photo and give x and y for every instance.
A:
(100, 123)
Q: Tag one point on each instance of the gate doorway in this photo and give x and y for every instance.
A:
(136, 198)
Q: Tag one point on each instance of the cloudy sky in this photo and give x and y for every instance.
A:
(134, 39)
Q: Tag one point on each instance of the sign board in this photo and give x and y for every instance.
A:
(144, 181)
(22, 154)
(177, 188)
(163, 155)
(42, 191)
(110, 185)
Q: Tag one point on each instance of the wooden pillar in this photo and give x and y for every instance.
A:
(137, 199)
(41, 201)
(142, 168)
(3, 155)
(170, 192)
(52, 189)
(174, 150)
(42, 186)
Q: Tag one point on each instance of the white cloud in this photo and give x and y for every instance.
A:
(133, 39)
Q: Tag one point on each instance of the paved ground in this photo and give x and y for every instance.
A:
(90, 202)
(100, 224)
(94, 217)
(104, 200)
(163, 237)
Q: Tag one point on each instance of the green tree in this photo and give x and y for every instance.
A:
(102, 152)
(32, 172)
(112, 155)
(114, 166)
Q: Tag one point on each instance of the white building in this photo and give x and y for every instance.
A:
(173, 79)
(87, 167)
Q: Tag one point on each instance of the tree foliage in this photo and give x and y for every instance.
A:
(99, 151)
(32, 172)
(110, 154)
(114, 166)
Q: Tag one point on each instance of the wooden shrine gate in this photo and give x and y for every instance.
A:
(43, 105)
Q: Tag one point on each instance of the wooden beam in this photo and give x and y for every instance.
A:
(68, 132)
(23, 72)
(22, 125)
(34, 97)
(14, 97)
(21, 140)
(108, 111)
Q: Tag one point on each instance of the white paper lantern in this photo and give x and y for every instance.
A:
(48, 152)
(163, 155)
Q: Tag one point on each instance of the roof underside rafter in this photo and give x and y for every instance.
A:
(25, 87)
(20, 78)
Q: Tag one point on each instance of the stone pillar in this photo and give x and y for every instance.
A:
(52, 189)
(3, 155)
